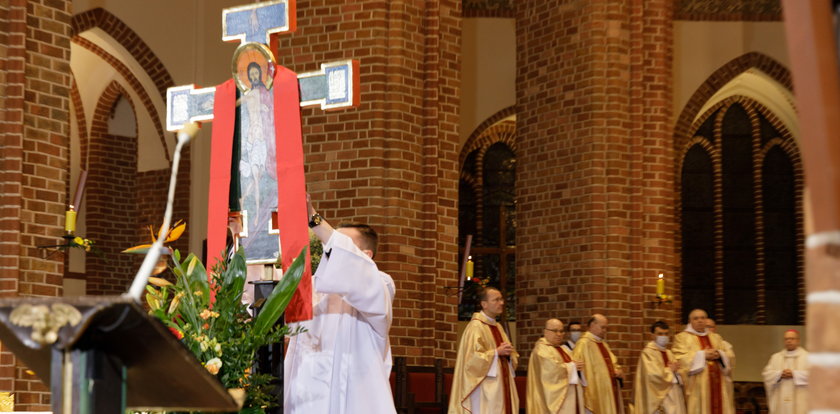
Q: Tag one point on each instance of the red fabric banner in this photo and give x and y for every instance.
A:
(292, 215)
(221, 147)
(291, 185)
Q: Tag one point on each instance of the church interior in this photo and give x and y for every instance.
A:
(580, 150)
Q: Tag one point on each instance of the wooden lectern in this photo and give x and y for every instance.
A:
(105, 354)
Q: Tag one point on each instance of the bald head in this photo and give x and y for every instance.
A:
(697, 319)
(554, 332)
(598, 325)
(791, 339)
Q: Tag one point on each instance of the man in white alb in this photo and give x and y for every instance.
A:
(786, 378)
(341, 364)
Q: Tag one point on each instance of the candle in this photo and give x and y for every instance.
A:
(470, 268)
(660, 285)
(80, 190)
(70, 220)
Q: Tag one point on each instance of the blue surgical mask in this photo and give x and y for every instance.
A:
(662, 340)
(574, 336)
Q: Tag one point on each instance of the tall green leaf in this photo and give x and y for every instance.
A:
(280, 297)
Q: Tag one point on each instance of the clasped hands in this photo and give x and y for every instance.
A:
(505, 349)
(787, 373)
(712, 354)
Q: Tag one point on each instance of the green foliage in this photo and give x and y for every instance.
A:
(220, 331)
(316, 249)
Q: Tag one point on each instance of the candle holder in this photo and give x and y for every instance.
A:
(661, 300)
(70, 241)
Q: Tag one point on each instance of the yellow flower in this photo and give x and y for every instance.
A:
(152, 301)
(175, 302)
(197, 293)
(159, 282)
(205, 314)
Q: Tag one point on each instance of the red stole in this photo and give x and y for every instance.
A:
(714, 378)
(504, 364)
(665, 358)
(563, 354)
(606, 355)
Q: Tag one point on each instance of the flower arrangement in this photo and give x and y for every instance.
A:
(81, 243)
(208, 316)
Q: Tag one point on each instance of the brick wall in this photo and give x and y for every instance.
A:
(34, 67)
(595, 170)
(393, 161)
(109, 200)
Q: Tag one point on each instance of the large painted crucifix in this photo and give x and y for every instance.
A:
(256, 158)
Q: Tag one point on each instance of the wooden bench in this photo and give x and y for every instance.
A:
(425, 390)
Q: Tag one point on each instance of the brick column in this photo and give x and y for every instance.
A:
(34, 139)
(595, 190)
(393, 161)
(813, 55)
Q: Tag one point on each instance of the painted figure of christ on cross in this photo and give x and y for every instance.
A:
(256, 161)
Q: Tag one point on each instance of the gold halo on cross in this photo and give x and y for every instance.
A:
(247, 58)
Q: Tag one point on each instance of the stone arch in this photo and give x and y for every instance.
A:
(134, 83)
(721, 77)
(130, 40)
(484, 125)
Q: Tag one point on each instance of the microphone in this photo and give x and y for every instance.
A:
(154, 253)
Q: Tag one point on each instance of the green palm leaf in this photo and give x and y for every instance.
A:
(280, 297)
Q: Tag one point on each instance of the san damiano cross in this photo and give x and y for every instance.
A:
(257, 188)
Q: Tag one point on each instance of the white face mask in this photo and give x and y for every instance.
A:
(662, 340)
(574, 336)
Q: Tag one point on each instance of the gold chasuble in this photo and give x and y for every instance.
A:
(601, 395)
(549, 388)
(656, 389)
(482, 378)
(706, 389)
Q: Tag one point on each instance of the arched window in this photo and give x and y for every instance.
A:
(487, 211)
(740, 186)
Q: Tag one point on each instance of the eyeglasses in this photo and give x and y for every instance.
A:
(557, 331)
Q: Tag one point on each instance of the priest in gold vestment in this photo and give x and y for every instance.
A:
(727, 349)
(483, 379)
(703, 364)
(601, 370)
(658, 387)
(554, 386)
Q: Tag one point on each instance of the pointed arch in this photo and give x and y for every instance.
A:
(761, 133)
(721, 77)
(130, 40)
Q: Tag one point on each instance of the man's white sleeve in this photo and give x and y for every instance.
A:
(348, 272)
